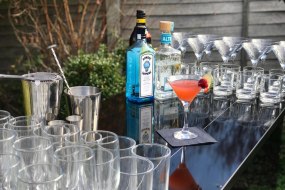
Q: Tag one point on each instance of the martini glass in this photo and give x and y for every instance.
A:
(257, 49)
(228, 47)
(186, 88)
(200, 44)
(279, 51)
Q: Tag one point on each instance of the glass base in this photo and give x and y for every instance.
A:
(184, 135)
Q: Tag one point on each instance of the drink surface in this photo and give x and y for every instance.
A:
(186, 90)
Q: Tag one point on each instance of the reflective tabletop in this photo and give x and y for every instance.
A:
(239, 128)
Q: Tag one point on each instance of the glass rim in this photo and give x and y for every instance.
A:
(52, 135)
(109, 152)
(13, 155)
(132, 141)
(32, 150)
(42, 182)
(4, 114)
(10, 137)
(60, 158)
(85, 133)
(149, 169)
(167, 149)
(14, 120)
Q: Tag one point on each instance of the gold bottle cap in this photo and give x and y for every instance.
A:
(166, 26)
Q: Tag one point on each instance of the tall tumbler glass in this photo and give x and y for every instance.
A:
(24, 125)
(160, 157)
(77, 163)
(136, 173)
(7, 138)
(104, 162)
(109, 141)
(9, 166)
(126, 144)
(271, 89)
(33, 150)
(4, 117)
(56, 133)
(247, 86)
(40, 176)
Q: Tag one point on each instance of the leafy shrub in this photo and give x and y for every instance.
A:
(102, 69)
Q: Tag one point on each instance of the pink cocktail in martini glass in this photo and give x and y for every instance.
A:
(186, 87)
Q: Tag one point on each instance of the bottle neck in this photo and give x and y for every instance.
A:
(165, 38)
(141, 21)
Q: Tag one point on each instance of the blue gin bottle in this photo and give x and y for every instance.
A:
(140, 70)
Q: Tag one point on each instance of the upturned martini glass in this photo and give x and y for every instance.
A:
(279, 51)
(186, 87)
(228, 47)
(257, 49)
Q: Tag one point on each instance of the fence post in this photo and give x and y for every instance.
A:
(113, 21)
(244, 32)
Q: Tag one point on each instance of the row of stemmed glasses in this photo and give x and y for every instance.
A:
(227, 46)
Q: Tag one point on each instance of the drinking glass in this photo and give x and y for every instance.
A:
(258, 71)
(223, 83)
(281, 73)
(246, 87)
(228, 47)
(186, 88)
(126, 144)
(24, 125)
(200, 44)
(9, 166)
(135, 173)
(279, 51)
(91, 138)
(232, 68)
(271, 89)
(33, 150)
(56, 133)
(77, 165)
(4, 117)
(104, 162)
(40, 176)
(257, 49)
(106, 140)
(63, 132)
(7, 139)
(179, 41)
(159, 155)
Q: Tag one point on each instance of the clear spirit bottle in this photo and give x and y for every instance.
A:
(168, 62)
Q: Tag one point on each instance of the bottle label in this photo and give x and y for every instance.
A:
(165, 38)
(146, 75)
(145, 114)
(141, 20)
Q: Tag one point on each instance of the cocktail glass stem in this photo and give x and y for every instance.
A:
(185, 133)
(186, 112)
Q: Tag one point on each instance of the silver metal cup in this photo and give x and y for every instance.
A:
(85, 102)
(42, 93)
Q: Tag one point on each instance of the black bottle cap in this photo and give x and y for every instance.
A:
(140, 14)
(141, 31)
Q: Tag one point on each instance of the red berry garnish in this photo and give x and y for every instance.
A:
(203, 83)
